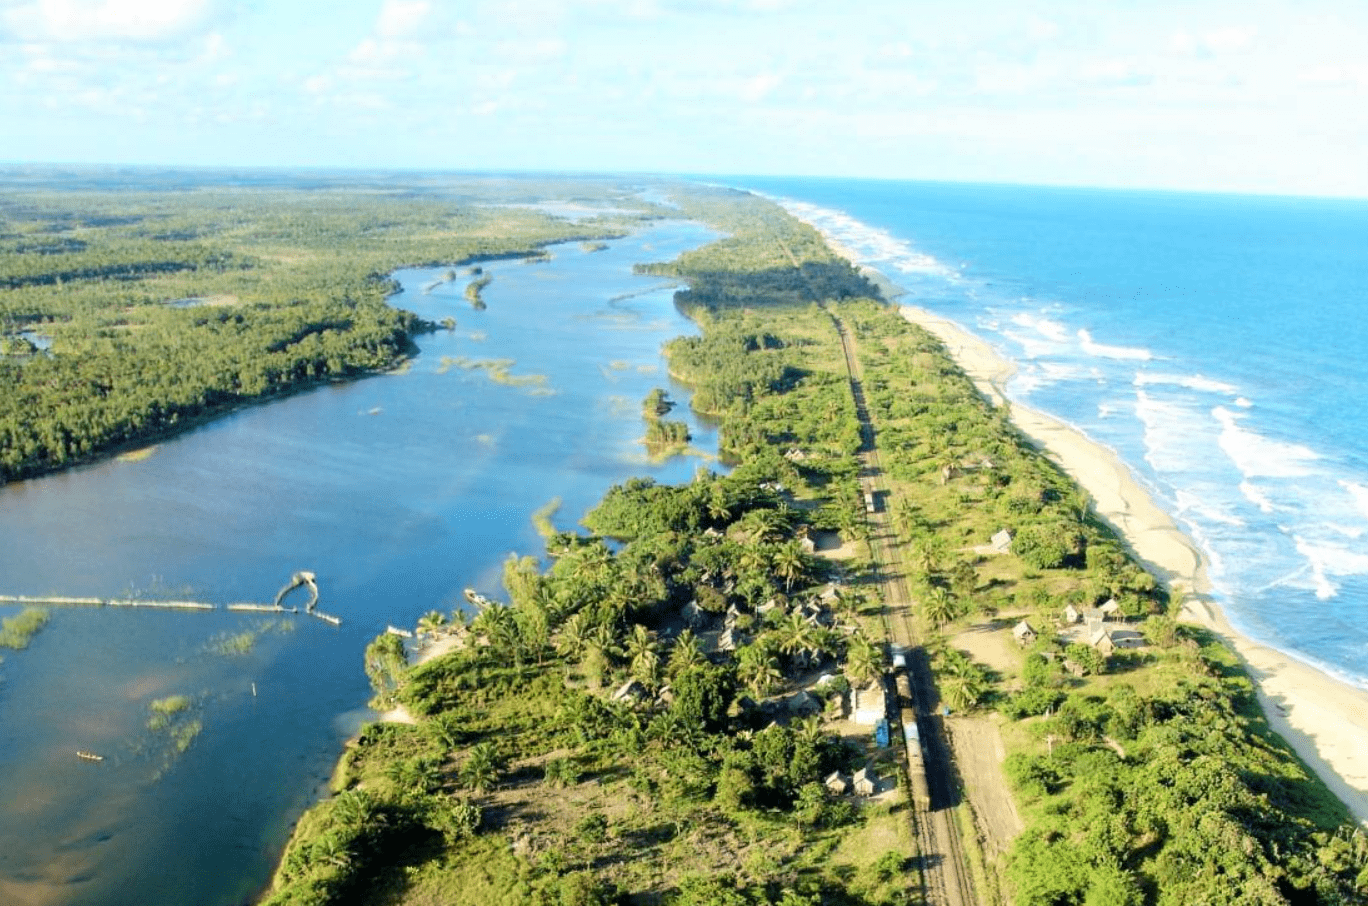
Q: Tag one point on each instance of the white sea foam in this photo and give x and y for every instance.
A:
(1190, 381)
(1257, 497)
(871, 245)
(1359, 493)
(1046, 327)
(1204, 507)
(1091, 347)
(1258, 456)
(1177, 436)
(1105, 410)
(1327, 560)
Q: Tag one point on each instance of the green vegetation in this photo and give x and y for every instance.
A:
(541, 519)
(641, 722)
(663, 437)
(499, 372)
(237, 644)
(168, 307)
(17, 631)
(173, 720)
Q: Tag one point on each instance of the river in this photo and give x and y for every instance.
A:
(397, 490)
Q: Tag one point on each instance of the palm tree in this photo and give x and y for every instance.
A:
(962, 691)
(796, 634)
(432, 623)
(758, 669)
(938, 606)
(789, 564)
(572, 640)
(864, 661)
(685, 654)
(643, 653)
(481, 768)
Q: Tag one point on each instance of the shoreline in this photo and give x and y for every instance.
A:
(1322, 718)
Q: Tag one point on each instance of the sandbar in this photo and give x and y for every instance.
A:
(1323, 719)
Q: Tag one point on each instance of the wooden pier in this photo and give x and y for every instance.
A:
(299, 578)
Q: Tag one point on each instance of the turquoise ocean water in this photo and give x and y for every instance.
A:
(1217, 343)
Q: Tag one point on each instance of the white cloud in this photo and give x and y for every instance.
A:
(402, 18)
(759, 87)
(1226, 40)
(108, 20)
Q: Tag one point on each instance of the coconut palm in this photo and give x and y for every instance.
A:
(758, 669)
(938, 606)
(643, 653)
(685, 654)
(789, 564)
(572, 639)
(796, 633)
(481, 767)
(864, 661)
(432, 623)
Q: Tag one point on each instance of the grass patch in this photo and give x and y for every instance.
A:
(17, 631)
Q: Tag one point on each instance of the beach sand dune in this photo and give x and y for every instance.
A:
(1324, 720)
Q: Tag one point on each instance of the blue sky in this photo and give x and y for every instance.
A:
(1225, 96)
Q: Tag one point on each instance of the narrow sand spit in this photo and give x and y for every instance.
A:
(1325, 720)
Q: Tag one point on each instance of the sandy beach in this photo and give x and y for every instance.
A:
(1325, 720)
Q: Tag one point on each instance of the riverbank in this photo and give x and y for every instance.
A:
(1323, 719)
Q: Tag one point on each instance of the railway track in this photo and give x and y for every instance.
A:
(945, 876)
(944, 871)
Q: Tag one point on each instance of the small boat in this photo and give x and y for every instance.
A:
(479, 600)
(88, 756)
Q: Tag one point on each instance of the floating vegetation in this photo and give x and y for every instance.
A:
(542, 517)
(619, 364)
(17, 631)
(174, 723)
(498, 371)
(473, 290)
(138, 455)
(237, 644)
(486, 440)
(593, 246)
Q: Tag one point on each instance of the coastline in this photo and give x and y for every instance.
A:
(1323, 719)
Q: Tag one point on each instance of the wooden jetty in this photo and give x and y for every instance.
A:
(52, 599)
(302, 578)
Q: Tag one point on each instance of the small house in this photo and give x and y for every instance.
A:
(729, 640)
(1110, 610)
(1001, 542)
(694, 616)
(1024, 633)
(630, 692)
(865, 782)
(803, 703)
(1101, 640)
(807, 544)
(868, 705)
(1072, 615)
(837, 784)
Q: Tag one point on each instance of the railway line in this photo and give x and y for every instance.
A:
(934, 781)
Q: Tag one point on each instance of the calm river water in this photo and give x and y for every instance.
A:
(397, 490)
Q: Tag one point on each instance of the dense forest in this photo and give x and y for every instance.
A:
(130, 310)
(662, 715)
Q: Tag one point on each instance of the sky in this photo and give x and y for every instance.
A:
(1206, 95)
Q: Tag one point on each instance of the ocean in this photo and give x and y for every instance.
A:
(1216, 343)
